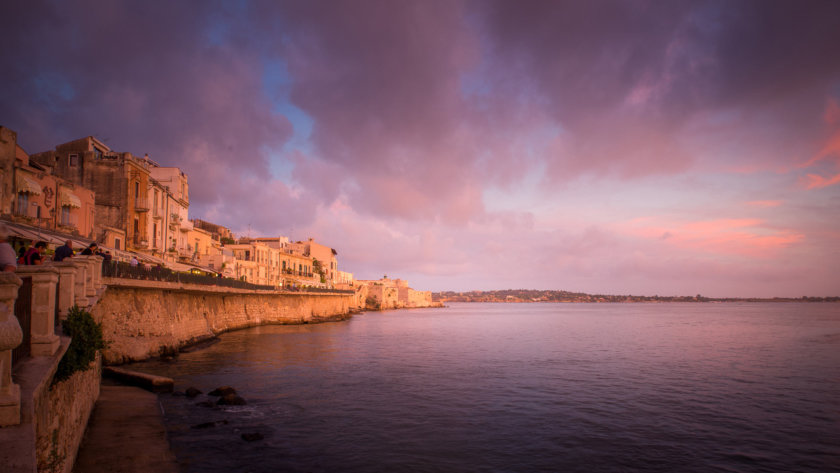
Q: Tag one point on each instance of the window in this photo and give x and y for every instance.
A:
(65, 215)
(136, 226)
(136, 190)
(22, 203)
(97, 153)
(117, 243)
(74, 160)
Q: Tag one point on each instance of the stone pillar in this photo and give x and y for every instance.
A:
(66, 287)
(10, 337)
(90, 275)
(44, 278)
(80, 281)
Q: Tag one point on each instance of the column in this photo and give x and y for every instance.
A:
(44, 278)
(90, 278)
(80, 281)
(66, 287)
(10, 338)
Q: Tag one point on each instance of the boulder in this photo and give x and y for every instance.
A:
(192, 392)
(231, 400)
(222, 391)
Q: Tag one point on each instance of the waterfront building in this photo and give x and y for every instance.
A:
(201, 243)
(324, 254)
(158, 228)
(394, 293)
(175, 218)
(31, 194)
(120, 181)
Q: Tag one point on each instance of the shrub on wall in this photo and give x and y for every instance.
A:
(86, 340)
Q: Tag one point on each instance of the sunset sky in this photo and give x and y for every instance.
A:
(644, 147)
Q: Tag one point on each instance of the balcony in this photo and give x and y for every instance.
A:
(140, 242)
(141, 205)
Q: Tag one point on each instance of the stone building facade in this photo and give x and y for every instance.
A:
(31, 194)
(120, 181)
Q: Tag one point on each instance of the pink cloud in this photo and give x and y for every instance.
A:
(815, 181)
(741, 237)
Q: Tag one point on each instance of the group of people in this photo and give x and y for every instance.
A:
(34, 255)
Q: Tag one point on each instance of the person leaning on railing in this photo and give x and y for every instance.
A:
(34, 255)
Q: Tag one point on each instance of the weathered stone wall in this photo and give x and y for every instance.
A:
(61, 416)
(141, 319)
(386, 297)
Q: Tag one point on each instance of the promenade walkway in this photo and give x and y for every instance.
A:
(125, 435)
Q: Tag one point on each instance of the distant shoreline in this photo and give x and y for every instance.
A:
(531, 296)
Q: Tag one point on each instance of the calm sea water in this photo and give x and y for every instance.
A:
(522, 387)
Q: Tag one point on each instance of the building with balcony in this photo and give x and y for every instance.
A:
(31, 194)
(121, 185)
(324, 254)
(175, 203)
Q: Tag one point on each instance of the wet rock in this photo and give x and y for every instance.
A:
(205, 404)
(192, 392)
(252, 437)
(222, 391)
(231, 400)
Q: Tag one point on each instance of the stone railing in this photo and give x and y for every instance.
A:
(78, 281)
(41, 424)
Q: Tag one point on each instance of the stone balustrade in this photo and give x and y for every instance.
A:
(80, 290)
(44, 279)
(66, 287)
(10, 337)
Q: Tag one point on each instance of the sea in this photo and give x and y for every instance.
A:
(541, 387)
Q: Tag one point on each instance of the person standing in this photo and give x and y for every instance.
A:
(63, 251)
(134, 261)
(8, 262)
(90, 250)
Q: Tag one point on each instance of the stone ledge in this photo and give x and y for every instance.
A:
(149, 382)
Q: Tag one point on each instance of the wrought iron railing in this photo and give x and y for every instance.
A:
(114, 269)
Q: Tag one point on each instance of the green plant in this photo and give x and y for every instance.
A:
(86, 340)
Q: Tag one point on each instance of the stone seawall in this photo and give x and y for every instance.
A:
(61, 416)
(142, 319)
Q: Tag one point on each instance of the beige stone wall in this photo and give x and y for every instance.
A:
(386, 297)
(61, 416)
(142, 319)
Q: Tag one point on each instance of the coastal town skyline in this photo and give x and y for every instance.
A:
(612, 147)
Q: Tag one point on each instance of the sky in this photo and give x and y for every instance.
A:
(620, 147)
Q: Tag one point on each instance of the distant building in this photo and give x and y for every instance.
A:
(217, 231)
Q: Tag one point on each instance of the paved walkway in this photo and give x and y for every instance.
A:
(125, 435)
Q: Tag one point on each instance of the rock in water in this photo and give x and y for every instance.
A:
(231, 400)
(252, 437)
(192, 392)
(222, 391)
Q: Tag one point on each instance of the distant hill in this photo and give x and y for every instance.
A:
(533, 295)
